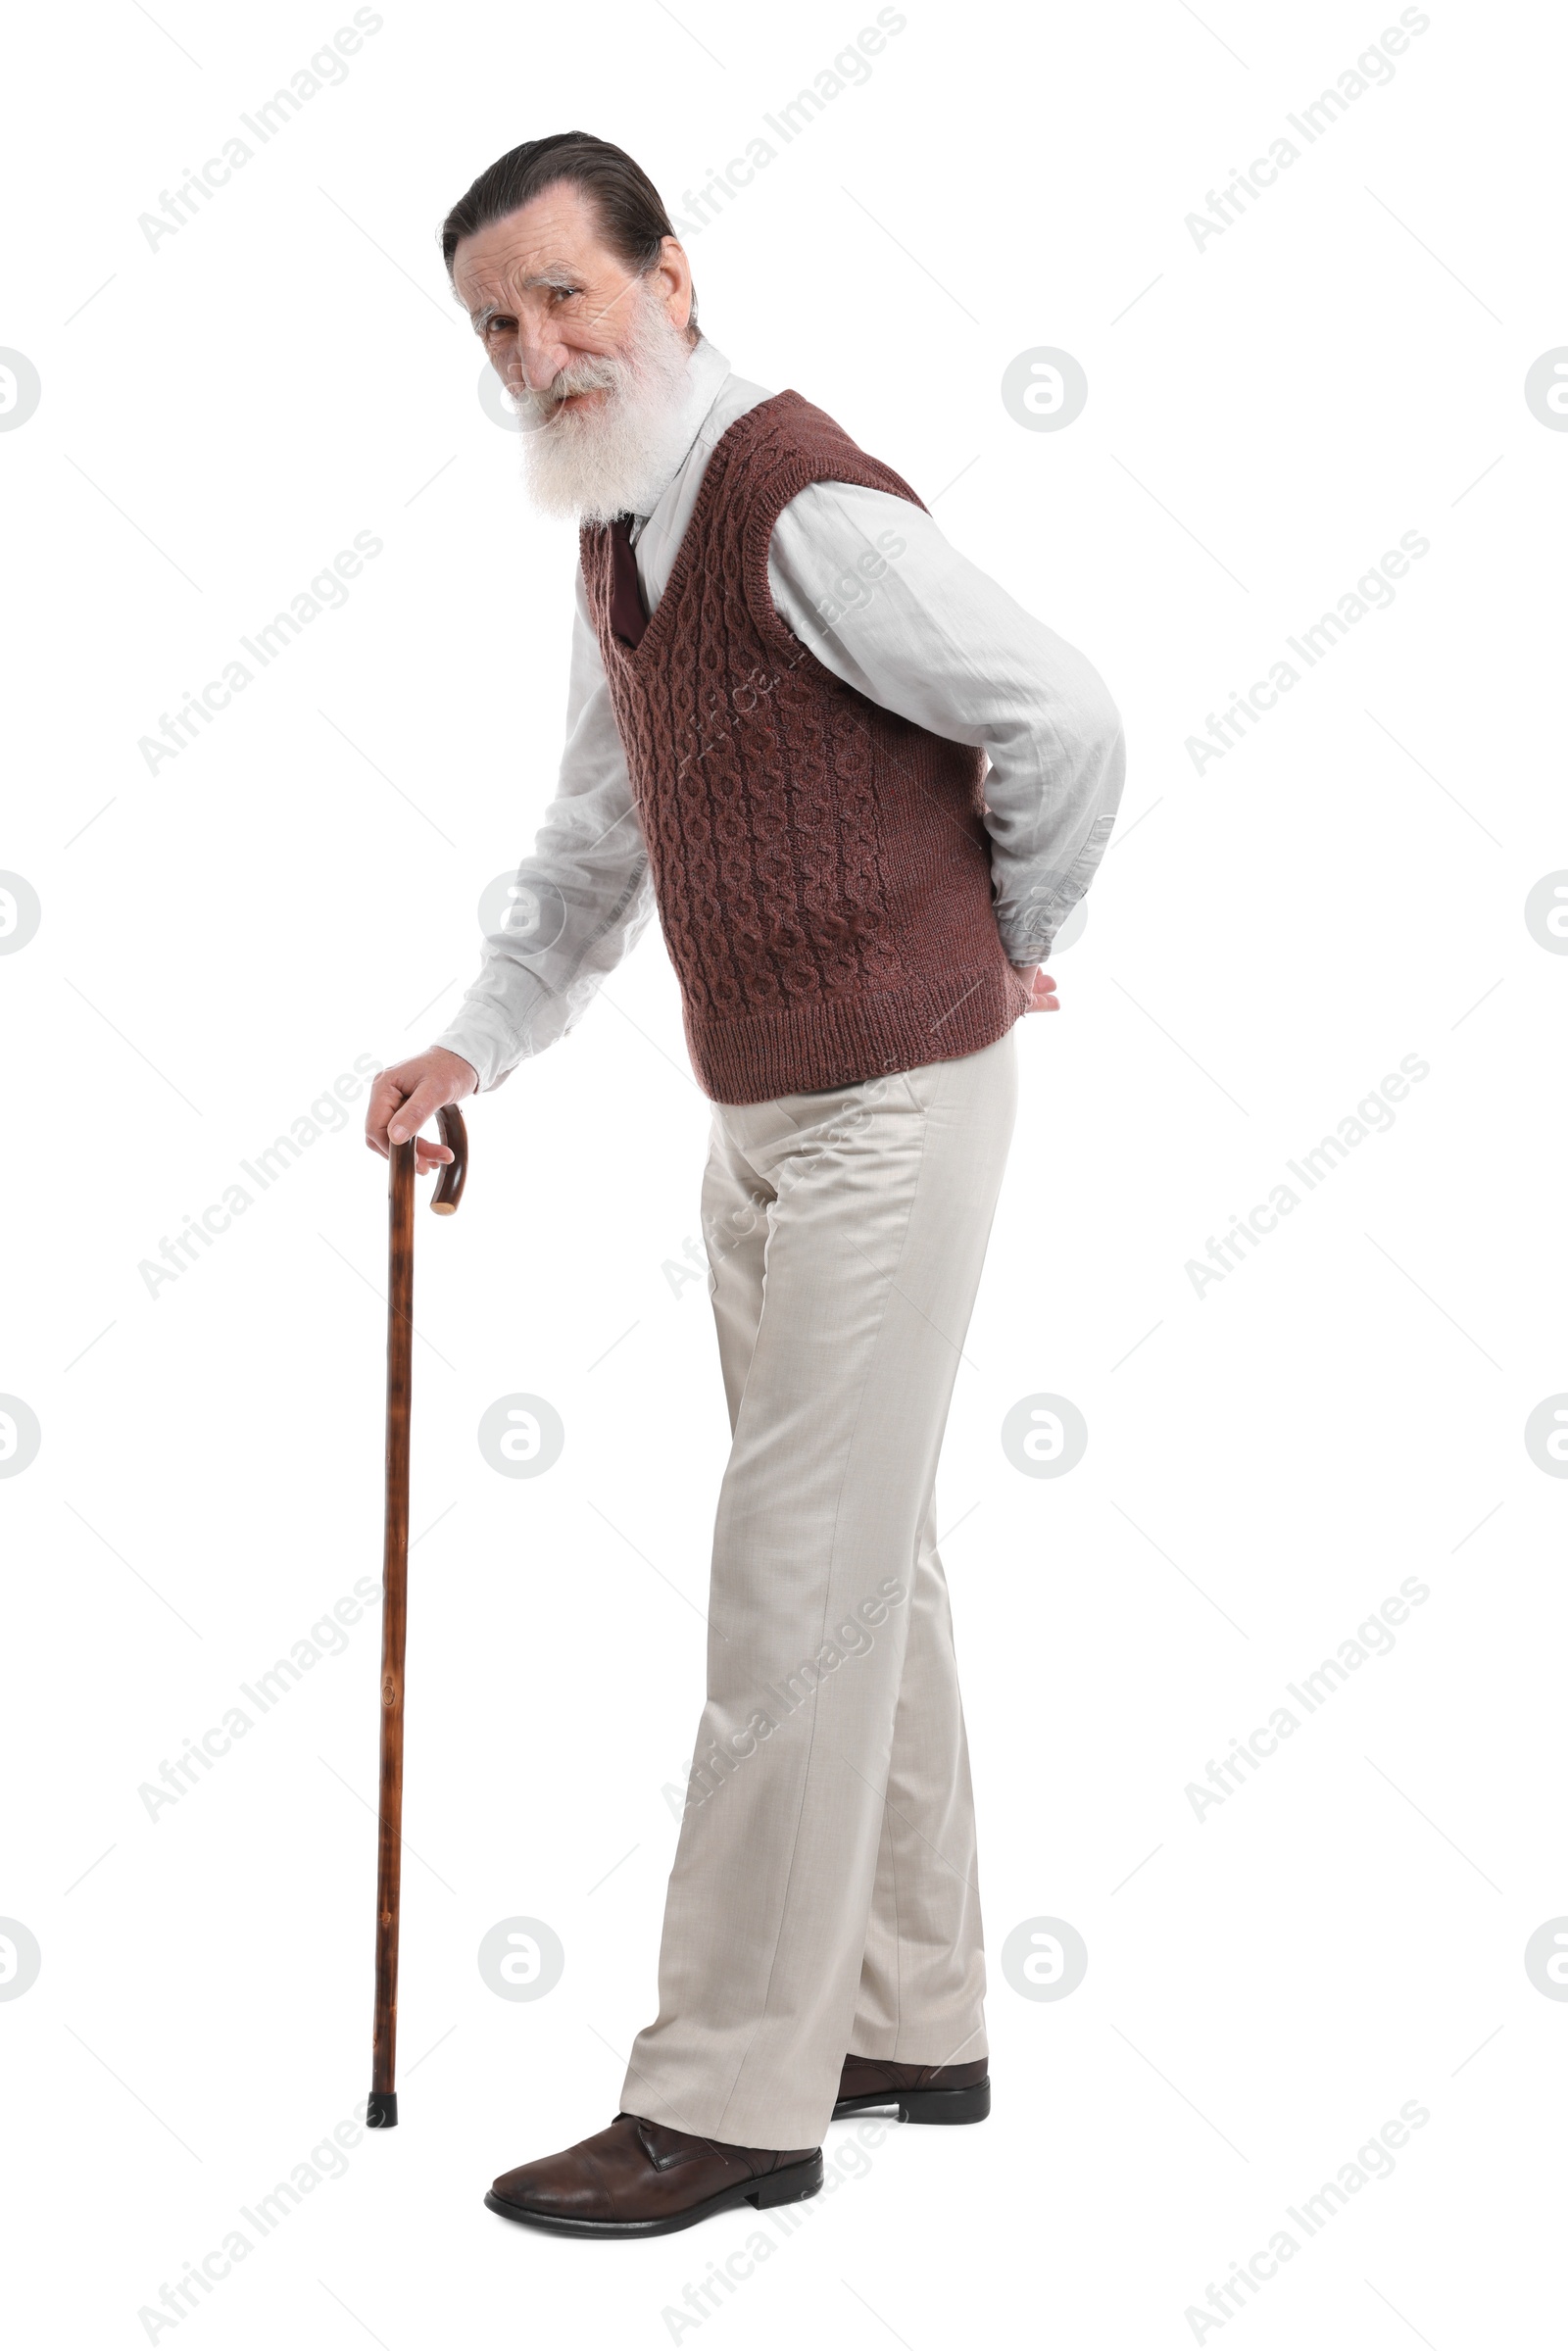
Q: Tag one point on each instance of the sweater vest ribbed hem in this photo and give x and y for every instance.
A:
(801, 1049)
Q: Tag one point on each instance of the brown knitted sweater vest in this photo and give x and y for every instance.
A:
(820, 865)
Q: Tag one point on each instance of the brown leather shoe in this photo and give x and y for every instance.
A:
(640, 2178)
(922, 2093)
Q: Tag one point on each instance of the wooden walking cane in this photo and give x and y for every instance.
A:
(382, 2113)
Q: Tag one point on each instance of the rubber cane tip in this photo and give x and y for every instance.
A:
(382, 2110)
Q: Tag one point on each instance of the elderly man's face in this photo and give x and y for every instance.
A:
(546, 295)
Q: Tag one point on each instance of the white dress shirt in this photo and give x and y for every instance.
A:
(874, 590)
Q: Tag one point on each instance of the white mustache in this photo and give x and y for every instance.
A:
(547, 401)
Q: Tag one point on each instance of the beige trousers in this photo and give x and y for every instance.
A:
(823, 1896)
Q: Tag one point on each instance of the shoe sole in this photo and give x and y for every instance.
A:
(791, 2185)
(968, 2105)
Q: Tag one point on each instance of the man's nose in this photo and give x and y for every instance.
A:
(536, 360)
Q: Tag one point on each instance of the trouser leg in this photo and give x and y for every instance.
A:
(921, 1997)
(841, 1317)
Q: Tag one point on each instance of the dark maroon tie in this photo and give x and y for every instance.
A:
(626, 615)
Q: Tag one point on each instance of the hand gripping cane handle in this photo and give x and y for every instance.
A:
(381, 2112)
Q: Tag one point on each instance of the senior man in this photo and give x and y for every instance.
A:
(863, 788)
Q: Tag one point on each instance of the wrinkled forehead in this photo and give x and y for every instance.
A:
(554, 241)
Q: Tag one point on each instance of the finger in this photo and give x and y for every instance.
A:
(422, 1103)
(386, 1095)
(428, 1155)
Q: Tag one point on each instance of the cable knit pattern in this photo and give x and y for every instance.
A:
(820, 865)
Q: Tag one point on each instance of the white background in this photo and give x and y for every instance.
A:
(1266, 1462)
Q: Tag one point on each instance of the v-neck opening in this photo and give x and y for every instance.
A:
(683, 557)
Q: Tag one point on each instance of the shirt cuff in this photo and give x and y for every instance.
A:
(492, 1050)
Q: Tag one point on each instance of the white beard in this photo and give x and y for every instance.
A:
(620, 456)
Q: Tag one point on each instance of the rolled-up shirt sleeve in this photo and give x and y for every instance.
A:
(581, 898)
(873, 589)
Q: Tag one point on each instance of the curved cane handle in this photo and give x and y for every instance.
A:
(450, 1181)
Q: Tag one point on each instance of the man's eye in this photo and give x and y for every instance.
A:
(564, 293)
